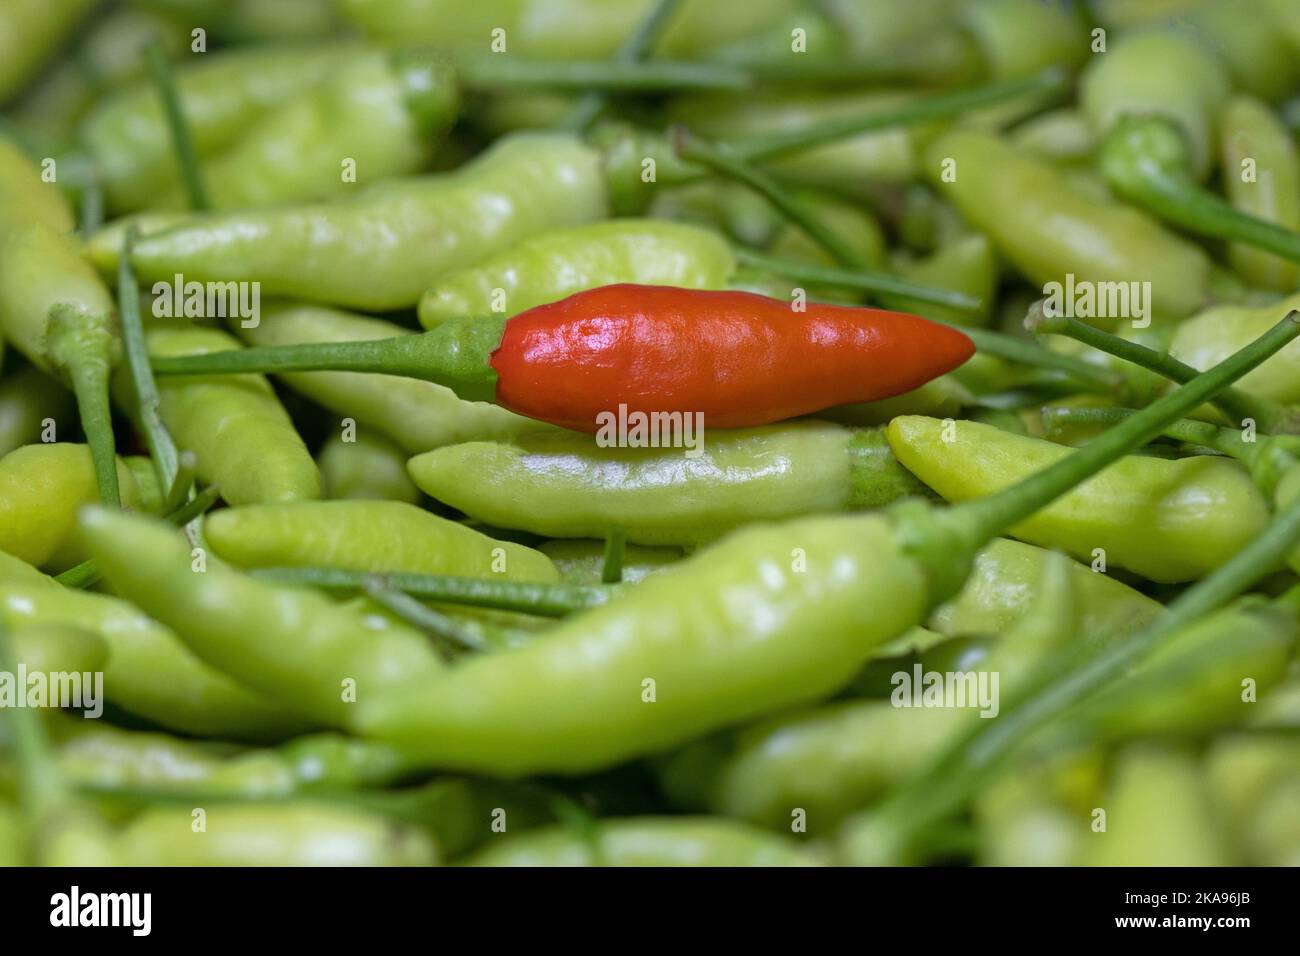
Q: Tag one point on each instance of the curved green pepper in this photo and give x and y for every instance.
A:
(29, 400)
(243, 440)
(1157, 814)
(149, 672)
(417, 415)
(58, 648)
(563, 484)
(648, 841)
(550, 266)
(381, 249)
(1047, 229)
(274, 834)
(1161, 74)
(368, 466)
(367, 536)
(130, 141)
(1207, 338)
(30, 31)
(41, 487)
(1253, 137)
(380, 112)
(1166, 520)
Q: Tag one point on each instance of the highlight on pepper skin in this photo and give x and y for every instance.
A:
(679, 433)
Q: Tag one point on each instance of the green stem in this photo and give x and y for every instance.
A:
(949, 782)
(864, 279)
(1237, 404)
(144, 390)
(503, 72)
(721, 160)
(973, 523)
(542, 600)
(455, 354)
(1145, 161)
(611, 571)
(634, 49)
(1184, 430)
(90, 385)
(448, 634)
(940, 106)
(87, 573)
(182, 141)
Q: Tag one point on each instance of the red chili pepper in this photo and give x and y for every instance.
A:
(740, 359)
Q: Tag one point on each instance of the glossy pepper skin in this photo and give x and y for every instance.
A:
(416, 415)
(1252, 136)
(556, 264)
(1208, 337)
(367, 536)
(221, 95)
(29, 401)
(1165, 520)
(243, 439)
(273, 834)
(41, 487)
(1047, 229)
(564, 485)
(748, 635)
(659, 349)
(381, 248)
(649, 841)
(150, 673)
(31, 31)
(367, 467)
(383, 112)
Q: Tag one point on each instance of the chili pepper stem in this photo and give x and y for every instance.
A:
(90, 385)
(1148, 178)
(455, 354)
(1268, 416)
(634, 49)
(952, 778)
(500, 72)
(947, 540)
(182, 141)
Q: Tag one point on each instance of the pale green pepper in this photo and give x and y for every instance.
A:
(367, 466)
(1209, 337)
(564, 484)
(1166, 520)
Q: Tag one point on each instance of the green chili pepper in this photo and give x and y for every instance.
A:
(380, 249)
(999, 591)
(723, 204)
(58, 648)
(1253, 781)
(648, 841)
(1157, 814)
(1021, 823)
(822, 764)
(279, 834)
(367, 536)
(966, 265)
(31, 402)
(1061, 135)
(241, 436)
(1020, 38)
(1261, 175)
(368, 466)
(1246, 38)
(30, 31)
(1158, 74)
(377, 115)
(1166, 520)
(1206, 338)
(1047, 230)
(128, 137)
(542, 29)
(41, 487)
(582, 562)
(414, 414)
(53, 307)
(945, 396)
(149, 672)
(564, 484)
(856, 228)
(550, 266)
(704, 665)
